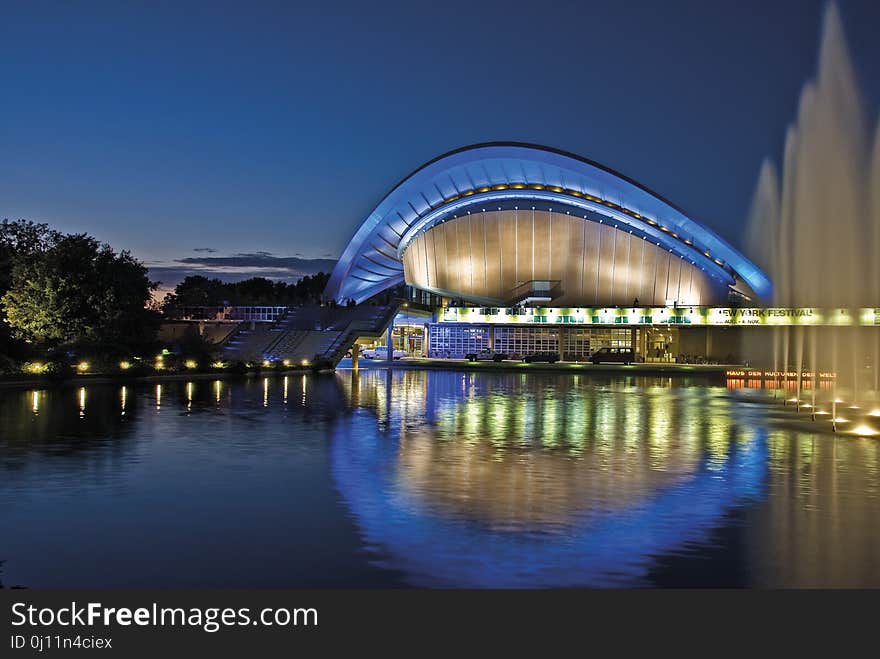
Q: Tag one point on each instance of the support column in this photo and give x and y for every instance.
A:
(390, 343)
(633, 339)
(490, 330)
(560, 342)
(355, 353)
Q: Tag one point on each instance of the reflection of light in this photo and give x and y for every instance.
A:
(158, 396)
(285, 390)
(874, 412)
(865, 431)
(217, 386)
(82, 402)
(823, 412)
(304, 389)
(35, 402)
(123, 394)
(189, 396)
(840, 419)
(265, 392)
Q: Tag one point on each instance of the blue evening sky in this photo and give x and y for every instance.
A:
(268, 130)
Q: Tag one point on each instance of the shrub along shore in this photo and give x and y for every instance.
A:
(163, 367)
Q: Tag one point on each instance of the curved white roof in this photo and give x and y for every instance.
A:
(483, 174)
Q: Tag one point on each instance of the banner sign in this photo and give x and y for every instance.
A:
(699, 316)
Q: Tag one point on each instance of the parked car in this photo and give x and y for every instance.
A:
(486, 355)
(381, 352)
(613, 356)
(550, 357)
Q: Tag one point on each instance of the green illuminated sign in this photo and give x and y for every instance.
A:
(699, 316)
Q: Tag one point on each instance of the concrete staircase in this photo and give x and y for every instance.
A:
(309, 333)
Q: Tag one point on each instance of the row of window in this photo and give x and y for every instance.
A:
(455, 341)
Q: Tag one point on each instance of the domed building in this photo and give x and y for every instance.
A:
(501, 224)
(506, 239)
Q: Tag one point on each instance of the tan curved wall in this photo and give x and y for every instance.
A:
(481, 257)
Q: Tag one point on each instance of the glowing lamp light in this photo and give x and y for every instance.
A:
(305, 362)
(875, 412)
(83, 367)
(191, 363)
(125, 365)
(864, 431)
(218, 364)
(286, 362)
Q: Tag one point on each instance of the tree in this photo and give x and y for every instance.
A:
(21, 238)
(195, 291)
(198, 291)
(18, 238)
(80, 289)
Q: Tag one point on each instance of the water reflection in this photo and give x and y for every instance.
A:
(541, 482)
(431, 478)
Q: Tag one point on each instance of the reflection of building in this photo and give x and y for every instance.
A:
(510, 226)
(493, 480)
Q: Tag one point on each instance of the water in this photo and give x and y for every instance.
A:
(430, 478)
(816, 228)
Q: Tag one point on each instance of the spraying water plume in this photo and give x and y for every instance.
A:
(816, 228)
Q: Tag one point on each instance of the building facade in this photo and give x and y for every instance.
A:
(515, 230)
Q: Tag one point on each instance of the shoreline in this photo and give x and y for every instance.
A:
(704, 370)
(558, 367)
(99, 378)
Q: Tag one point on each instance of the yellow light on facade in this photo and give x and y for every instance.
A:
(83, 367)
(305, 362)
(218, 364)
(124, 365)
(286, 362)
(266, 363)
(191, 363)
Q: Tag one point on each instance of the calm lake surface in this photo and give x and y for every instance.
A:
(429, 478)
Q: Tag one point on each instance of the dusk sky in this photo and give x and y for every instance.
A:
(247, 136)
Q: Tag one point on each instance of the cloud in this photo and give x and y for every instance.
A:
(208, 250)
(237, 267)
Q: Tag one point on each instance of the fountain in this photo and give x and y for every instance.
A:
(816, 231)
